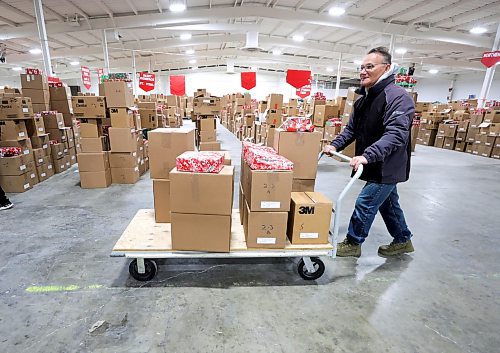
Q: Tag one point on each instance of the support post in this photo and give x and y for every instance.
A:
(134, 79)
(391, 44)
(42, 33)
(490, 73)
(339, 72)
(105, 52)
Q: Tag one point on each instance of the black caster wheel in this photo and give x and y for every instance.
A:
(150, 270)
(319, 269)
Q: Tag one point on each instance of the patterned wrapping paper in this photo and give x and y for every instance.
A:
(10, 152)
(200, 162)
(334, 122)
(264, 158)
(297, 124)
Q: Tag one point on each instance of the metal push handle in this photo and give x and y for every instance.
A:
(336, 219)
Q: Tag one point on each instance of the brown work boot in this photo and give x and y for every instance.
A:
(348, 249)
(396, 248)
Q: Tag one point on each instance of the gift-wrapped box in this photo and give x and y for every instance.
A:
(298, 124)
(200, 162)
(10, 151)
(264, 158)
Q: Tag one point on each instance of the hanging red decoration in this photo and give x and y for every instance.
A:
(248, 80)
(298, 78)
(146, 81)
(178, 85)
(305, 90)
(490, 58)
(86, 77)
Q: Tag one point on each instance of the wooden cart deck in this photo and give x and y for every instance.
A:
(145, 238)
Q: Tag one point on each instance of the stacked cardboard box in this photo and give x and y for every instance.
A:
(322, 113)
(446, 133)
(60, 101)
(165, 144)
(264, 197)
(302, 149)
(36, 87)
(201, 210)
(207, 134)
(58, 136)
(429, 124)
(352, 96)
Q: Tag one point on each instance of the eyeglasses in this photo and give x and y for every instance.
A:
(370, 67)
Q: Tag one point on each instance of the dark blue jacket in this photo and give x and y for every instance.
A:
(381, 124)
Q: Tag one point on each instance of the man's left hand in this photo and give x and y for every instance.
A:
(356, 161)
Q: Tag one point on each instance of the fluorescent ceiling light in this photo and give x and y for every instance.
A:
(195, 68)
(329, 69)
(358, 62)
(36, 51)
(298, 38)
(478, 30)
(74, 63)
(192, 61)
(177, 6)
(400, 51)
(17, 68)
(254, 68)
(433, 71)
(190, 52)
(276, 52)
(186, 36)
(336, 11)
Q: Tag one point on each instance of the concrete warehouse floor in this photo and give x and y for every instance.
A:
(57, 279)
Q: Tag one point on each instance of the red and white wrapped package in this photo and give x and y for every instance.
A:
(10, 151)
(200, 162)
(264, 158)
(299, 124)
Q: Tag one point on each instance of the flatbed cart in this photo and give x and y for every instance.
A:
(144, 241)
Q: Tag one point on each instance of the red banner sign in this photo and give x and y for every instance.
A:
(248, 80)
(305, 90)
(100, 73)
(490, 58)
(52, 79)
(86, 77)
(178, 85)
(298, 78)
(146, 81)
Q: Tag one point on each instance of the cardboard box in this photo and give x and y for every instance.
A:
(72, 156)
(310, 216)
(89, 106)
(122, 117)
(471, 134)
(96, 144)
(93, 162)
(63, 106)
(460, 146)
(38, 96)
(94, 180)
(34, 82)
(15, 183)
(447, 130)
(60, 93)
(495, 153)
(124, 159)
(227, 158)
(45, 171)
(492, 116)
(267, 190)
(40, 107)
(449, 143)
(206, 106)
(275, 101)
(439, 142)
(149, 118)
(301, 148)
(40, 157)
(32, 175)
(123, 139)
(53, 120)
(161, 195)
(202, 193)
(476, 119)
(485, 151)
(16, 107)
(324, 112)
(200, 232)
(57, 151)
(13, 130)
(274, 117)
(42, 142)
(429, 138)
(209, 146)
(14, 165)
(206, 124)
(208, 136)
(58, 135)
(165, 145)
(91, 128)
(60, 165)
(303, 185)
(35, 126)
(118, 94)
(125, 175)
(265, 229)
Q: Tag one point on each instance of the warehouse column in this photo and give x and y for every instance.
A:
(339, 71)
(105, 52)
(391, 45)
(134, 79)
(42, 33)
(490, 72)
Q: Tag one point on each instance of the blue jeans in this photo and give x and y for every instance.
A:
(375, 198)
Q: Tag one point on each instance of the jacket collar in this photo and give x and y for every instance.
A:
(377, 88)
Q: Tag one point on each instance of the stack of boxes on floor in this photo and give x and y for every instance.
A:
(125, 134)
(150, 117)
(173, 118)
(60, 137)
(429, 124)
(93, 157)
(326, 119)
(165, 144)
(36, 87)
(487, 141)
(348, 108)
(201, 198)
(205, 110)
(18, 171)
(273, 116)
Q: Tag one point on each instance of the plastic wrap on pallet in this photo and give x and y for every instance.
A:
(200, 162)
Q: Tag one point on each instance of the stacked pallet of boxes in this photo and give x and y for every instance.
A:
(125, 135)
(205, 109)
(264, 194)
(93, 158)
(173, 118)
(273, 116)
(292, 108)
(445, 137)
(201, 198)
(150, 118)
(165, 145)
(476, 119)
(42, 150)
(347, 111)
(58, 136)
(463, 119)
(323, 114)
(429, 124)
(487, 139)
(36, 87)
(18, 171)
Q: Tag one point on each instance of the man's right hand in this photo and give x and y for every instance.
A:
(329, 149)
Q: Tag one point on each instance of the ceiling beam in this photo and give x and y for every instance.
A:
(301, 16)
(493, 6)
(15, 10)
(9, 22)
(132, 7)
(485, 21)
(382, 7)
(416, 6)
(326, 6)
(54, 13)
(158, 5)
(427, 16)
(299, 4)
